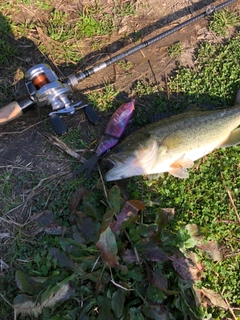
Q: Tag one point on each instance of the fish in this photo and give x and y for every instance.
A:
(113, 132)
(173, 144)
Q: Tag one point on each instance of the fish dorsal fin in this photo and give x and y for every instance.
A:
(232, 140)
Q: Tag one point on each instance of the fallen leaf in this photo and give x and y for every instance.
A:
(196, 233)
(129, 256)
(155, 254)
(114, 198)
(211, 248)
(165, 215)
(214, 298)
(187, 268)
(76, 198)
(108, 247)
(128, 211)
(117, 302)
(137, 204)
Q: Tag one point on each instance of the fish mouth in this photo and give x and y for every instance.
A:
(121, 167)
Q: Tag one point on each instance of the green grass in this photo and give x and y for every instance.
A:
(222, 20)
(7, 50)
(104, 99)
(175, 50)
(119, 285)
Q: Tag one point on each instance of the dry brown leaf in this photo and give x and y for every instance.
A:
(214, 298)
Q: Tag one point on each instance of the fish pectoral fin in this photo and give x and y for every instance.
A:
(179, 167)
(179, 172)
(232, 140)
(182, 163)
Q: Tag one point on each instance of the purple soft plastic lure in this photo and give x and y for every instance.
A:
(113, 132)
(119, 120)
(115, 127)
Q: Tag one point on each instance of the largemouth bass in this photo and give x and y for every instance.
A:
(173, 144)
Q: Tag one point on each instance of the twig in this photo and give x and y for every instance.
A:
(134, 248)
(2, 296)
(104, 187)
(116, 284)
(13, 222)
(95, 263)
(154, 76)
(62, 146)
(233, 204)
(230, 309)
(24, 130)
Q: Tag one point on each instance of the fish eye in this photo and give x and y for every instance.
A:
(116, 149)
(108, 163)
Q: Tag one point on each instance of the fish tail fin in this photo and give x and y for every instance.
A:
(232, 140)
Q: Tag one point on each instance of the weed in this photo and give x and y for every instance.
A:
(46, 5)
(7, 50)
(103, 100)
(128, 253)
(57, 28)
(126, 9)
(89, 26)
(22, 29)
(222, 20)
(175, 50)
(125, 65)
(216, 67)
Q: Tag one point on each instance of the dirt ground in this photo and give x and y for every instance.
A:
(22, 141)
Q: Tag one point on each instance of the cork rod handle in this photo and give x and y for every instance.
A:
(10, 112)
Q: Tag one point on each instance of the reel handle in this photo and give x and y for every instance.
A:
(59, 126)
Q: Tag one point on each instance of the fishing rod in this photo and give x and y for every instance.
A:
(46, 89)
